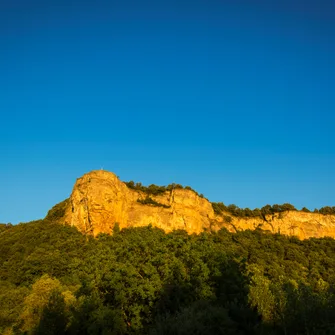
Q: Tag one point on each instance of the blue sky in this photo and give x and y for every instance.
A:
(234, 98)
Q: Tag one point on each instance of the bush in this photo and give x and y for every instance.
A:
(150, 201)
(306, 210)
(220, 208)
(157, 190)
(57, 211)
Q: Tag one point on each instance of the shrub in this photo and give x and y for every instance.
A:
(150, 201)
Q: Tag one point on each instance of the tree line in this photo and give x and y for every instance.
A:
(220, 208)
(158, 190)
(54, 280)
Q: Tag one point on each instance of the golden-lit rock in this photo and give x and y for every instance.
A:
(99, 200)
(293, 223)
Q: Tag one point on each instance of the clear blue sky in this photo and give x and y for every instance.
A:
(234, 98)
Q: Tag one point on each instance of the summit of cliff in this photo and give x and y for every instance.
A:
(100, 201)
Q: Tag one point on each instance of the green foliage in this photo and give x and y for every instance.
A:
(44, 308)
(220, 208)
(306, 210)
(27, 251)
(58, 211)
(327, 210)
(116, 228)
(150, 201)
(157, 190)
(199, 318)
(53, 320)
(5, 226)
(11, 300)
(53, 280)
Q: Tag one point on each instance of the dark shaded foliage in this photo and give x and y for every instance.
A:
(53, 320)
(57, 211)
(150, 201)
(220, 208)
(144, 281)
(157, 190)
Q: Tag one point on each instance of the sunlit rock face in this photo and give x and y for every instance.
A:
(292, 223)
(99, 200)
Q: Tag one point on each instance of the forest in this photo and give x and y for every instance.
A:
(54, 280)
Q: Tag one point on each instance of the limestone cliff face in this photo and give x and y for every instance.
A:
(99, 200)
(292, 223)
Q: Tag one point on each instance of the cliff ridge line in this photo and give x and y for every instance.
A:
(100, 200)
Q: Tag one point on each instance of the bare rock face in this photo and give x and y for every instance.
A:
(99, 200)
(292, 223)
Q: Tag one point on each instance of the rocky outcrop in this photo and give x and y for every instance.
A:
(292, 223)
(99, 200)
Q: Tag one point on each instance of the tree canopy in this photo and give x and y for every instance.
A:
(54, 280)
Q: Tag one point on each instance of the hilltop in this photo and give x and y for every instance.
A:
(89, 276)
(100, 203)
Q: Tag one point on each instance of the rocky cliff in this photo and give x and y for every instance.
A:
(99, 200)
(301, 224)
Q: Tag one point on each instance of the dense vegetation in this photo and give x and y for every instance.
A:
(150, 201)
(54, 280)
(157, 190)
(220, 208)
(327, 210)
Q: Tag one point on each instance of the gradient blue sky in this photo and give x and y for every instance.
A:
(234, 98)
